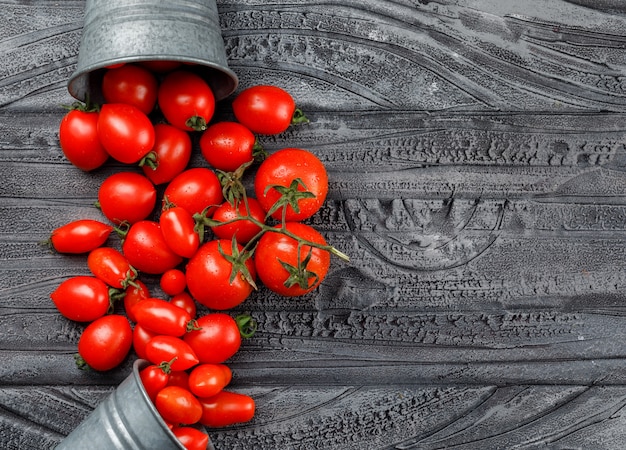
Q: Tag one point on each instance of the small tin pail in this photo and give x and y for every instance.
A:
(127, 31)
(125, 420)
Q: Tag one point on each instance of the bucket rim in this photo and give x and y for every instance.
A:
(196, 64)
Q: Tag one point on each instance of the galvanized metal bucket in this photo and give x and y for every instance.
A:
(128, 31)
(126, 420)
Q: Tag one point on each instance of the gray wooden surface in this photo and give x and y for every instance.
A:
(476, 151)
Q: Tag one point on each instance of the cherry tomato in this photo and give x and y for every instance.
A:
(300, 171)
(179, 230)
(130, 84)
(195, 190)
(215, 281)
(80, 236)
(178, 405)
(82, 298)
(105, 342)
(233, 225)
(169, 155)
(227, 145)
(126, 197)
(179, 378)
(126, 133)
(226, 408)
(191, 438)
(161, 317)
(133, 295)
(170, 348)
(217, 338)
(145, 248)
(266, 109)
(186, 100)
(186, 302)
(78, 138)
(206, 380)
(141, 337)
(112, 267)
(154, 378)
(278, 257)
(173, 282)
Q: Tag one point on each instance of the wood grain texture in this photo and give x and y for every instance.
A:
(477, 162)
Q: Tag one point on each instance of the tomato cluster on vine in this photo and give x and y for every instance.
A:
(211, 243)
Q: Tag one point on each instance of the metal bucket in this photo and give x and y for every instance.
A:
(126, 420)
(127, 31)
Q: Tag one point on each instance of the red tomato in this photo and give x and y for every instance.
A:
(162, 317)
(112, 267)
(105, 342)
(195, 190)
(78, 138)
(284, 168)
(126, 197)
(210, 278)
(186, 302)
(125, 132)
(173, 282)
(206, 380)
(277, 252)
(141, 337)
(186, 100)
(226, 408)
(80, 236)
(133, 295)
(179, 378)
(217, 338)
(179, 231)
(154, 378)
(145, 248)
(130, 84)
(266, 109)
(227, 145)
(233, 225)
(191, 438)
(178, 405)
(170, 348)
(169, 155)
(82, 298)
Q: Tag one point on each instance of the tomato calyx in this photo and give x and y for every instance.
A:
(202, 221)
(192, 325)
(289, 196)
(246, 324)
(299, 117)
(232, 184)
(167, 204)
(258, 152)
(151, 160)
(81, 363)
(166, 366)
(87, 106)
(197, 123)
(238, 259)
(298, 274)
(130, 278)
